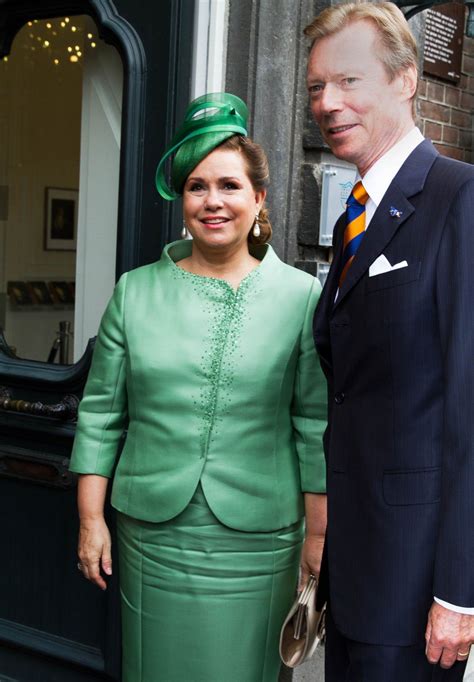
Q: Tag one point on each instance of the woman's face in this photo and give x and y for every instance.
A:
(219, 202)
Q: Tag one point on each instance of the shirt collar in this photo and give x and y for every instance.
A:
(379, 177)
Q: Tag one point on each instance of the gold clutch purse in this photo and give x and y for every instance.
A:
(304, 627)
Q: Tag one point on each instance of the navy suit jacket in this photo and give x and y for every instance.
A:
(398, 352)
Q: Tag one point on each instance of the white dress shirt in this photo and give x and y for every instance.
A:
(378, 178)
(376, 182)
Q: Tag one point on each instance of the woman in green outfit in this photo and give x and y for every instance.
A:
(207, 359)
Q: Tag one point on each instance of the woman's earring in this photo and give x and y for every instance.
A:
(184, 231)
(256, 226)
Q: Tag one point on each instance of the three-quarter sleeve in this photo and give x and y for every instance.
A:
(309, 408)
(103, 410)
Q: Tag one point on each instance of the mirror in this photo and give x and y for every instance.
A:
(60, 126)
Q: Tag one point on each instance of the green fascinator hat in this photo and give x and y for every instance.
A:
(209, 120)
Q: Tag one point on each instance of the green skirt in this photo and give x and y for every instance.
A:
(202, 602)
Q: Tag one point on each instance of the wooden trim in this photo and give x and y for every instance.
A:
(46, 644)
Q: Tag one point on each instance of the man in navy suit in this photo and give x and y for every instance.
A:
(395, 332)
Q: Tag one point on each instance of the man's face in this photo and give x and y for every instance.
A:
(361, 112)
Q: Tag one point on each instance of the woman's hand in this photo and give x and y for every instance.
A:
(311, 556)
(94, 551)
(94, 537)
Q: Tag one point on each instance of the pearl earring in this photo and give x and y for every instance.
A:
(184, 231)
(256, 226)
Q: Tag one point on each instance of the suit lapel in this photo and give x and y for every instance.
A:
(380, 231)
(409, 181)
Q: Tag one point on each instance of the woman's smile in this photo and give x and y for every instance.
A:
(215, 222)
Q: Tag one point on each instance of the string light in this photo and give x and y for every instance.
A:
(55, 50)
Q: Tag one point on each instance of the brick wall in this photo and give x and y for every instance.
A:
(446, 111)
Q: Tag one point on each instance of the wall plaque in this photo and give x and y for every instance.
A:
(337, 183)
(444, 35)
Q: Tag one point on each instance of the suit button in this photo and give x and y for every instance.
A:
(339, 398)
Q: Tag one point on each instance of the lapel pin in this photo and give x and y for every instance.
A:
(395, 213)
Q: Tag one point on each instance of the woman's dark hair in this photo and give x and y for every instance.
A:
(256, 163)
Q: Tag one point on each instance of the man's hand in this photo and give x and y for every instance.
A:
(449, 636)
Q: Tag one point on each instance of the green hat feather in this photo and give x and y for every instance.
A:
(209, 120)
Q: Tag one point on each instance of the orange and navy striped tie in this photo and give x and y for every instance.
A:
(355, 227)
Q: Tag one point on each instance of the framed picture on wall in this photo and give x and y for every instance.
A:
(61, 292)
(19, 293)
(40, 293)
(60, 219)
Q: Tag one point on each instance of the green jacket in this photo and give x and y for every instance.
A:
(215, 385)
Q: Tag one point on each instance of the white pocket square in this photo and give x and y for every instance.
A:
(382, 265)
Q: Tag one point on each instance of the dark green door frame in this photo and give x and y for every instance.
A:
(53, 625)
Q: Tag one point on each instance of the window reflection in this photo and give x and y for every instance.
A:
(47, 86)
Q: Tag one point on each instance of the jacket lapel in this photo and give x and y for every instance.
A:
(409, 181)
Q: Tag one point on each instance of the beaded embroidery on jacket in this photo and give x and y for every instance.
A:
(226, 310)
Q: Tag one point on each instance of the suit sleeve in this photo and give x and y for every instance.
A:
(321, 325)
(454, 574)
(309, 408)
(103, 409)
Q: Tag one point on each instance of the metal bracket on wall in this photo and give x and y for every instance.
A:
(337, 182)
(322, 271)
(66, 409)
